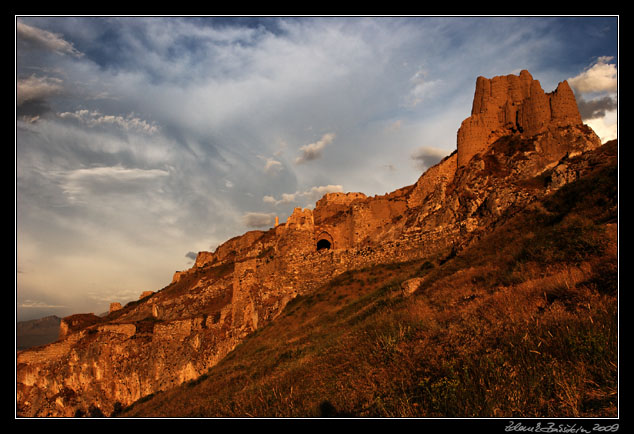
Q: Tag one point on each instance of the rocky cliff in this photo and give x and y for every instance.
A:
(518, 145)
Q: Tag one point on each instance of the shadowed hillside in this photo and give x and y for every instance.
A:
(36, 332)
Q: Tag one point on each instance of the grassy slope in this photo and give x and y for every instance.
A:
(523, 323)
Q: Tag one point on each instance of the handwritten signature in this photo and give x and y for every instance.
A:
(552, 427)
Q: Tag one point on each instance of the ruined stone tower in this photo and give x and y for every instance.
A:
(513, 103)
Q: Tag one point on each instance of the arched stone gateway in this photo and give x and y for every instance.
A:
(323, 244)
(324, 241)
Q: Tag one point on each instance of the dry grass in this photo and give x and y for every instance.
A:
(523, 323)
(518, 351)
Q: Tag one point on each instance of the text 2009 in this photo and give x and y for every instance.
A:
(606, 428)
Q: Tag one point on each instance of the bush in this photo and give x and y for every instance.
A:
(605, 278)
(571, 241)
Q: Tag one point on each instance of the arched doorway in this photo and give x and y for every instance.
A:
(323, 244)
(324, 241)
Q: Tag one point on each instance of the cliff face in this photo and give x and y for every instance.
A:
(516, 146)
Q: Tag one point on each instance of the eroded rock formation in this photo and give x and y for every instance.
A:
(518, 144)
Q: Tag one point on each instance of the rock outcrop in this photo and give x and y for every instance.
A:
(519, 144)
(76, 322)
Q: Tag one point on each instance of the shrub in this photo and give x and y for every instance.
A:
(572, 240)
(605, 278)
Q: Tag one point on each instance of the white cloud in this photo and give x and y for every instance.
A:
(95, 118)
(313, 194)
(258, 219)
(82, 184)
(313, 151)
(600, 77)
(421, 86)
(121, 295)
(37, 304)
(599, 83)
(272, 166)
(606, 127)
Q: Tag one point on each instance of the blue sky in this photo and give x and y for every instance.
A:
(142, 140)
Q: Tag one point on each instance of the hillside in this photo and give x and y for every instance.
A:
(521, 323)
(36, 332)
(488, 287)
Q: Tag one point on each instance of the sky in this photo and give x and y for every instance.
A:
(140, 141)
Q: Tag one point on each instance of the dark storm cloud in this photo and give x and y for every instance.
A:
(596, 108)
(32, 110)
(425, 157)
(33, 95)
